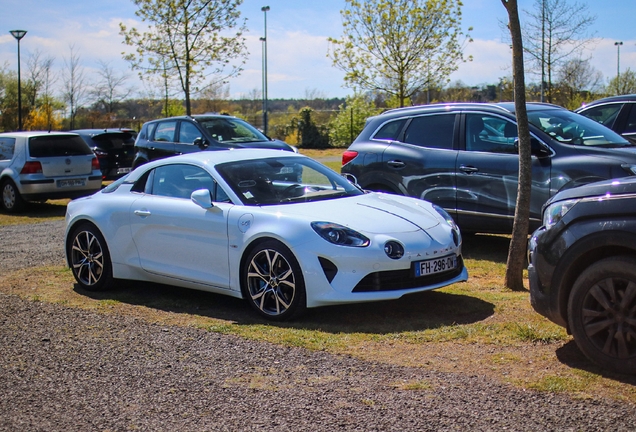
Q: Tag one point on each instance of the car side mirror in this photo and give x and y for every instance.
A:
(201, 143)
(536, 148)
(202, 198)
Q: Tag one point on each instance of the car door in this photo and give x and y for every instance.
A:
(162, 142)
(488, 172)
(176, 237)
(424, 159)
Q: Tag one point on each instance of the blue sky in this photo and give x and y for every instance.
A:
(297, 33)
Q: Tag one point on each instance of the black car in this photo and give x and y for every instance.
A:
(464, 158)
(617, 113)
(178, 135)
(582, 269)
(114, 148)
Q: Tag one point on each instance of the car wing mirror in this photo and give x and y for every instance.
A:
(536, 147)
(201, 143)
(202, 198)
(351, 179)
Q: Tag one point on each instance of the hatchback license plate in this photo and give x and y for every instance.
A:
(71, 183)
(433, 266)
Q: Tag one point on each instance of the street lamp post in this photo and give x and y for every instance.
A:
(19, 34)
(264, 40)
(618, 66)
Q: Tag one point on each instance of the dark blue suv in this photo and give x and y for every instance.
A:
(464, 157)
(187, 134)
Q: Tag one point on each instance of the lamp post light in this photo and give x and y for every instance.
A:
(264, 40)
(19, 34)
(618, 66)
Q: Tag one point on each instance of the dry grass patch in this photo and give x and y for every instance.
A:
(36, 212)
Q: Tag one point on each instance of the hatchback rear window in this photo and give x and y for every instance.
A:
(58, 145)
(116, 140)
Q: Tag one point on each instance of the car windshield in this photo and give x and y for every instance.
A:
(232, 130)
(571, 128)
(283, 180)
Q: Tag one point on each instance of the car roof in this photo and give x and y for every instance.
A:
(35, 133)
(196, 117)
(619, 98)
(507, 107)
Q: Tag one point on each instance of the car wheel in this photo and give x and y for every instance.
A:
(89, 258)
(602, 313)
(11, 199)
(272, 281)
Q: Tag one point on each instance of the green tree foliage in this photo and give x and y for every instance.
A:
(625, 84)
(310, 134)
(350, 120)
(187, 39)
(399, 46)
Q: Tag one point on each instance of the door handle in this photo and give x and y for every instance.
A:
(468, 169)
(396, 164)
(142, 213)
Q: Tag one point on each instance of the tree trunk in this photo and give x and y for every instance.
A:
(518, 244)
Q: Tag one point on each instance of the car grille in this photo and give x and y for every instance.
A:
(404, 279)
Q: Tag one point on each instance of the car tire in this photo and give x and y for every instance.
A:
(12, 201)
(89, 258)
(272, 281)
(602, 313)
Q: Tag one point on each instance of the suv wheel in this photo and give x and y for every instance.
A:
(602, 313)
(11, 199)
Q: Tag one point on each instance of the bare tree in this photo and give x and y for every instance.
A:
(38, 73)
(110, 90)
(555, 31)
(578, 82)
(74, 86)
(518, 243)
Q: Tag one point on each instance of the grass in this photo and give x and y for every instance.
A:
(477, 327)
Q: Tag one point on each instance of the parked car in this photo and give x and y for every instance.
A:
(463, 157)
(582, 269)
(178, 135)
(114, 148)
(617, 113)
(234, 222)
(36, 166)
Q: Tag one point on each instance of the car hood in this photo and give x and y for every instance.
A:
(624, 185)
(372, 213)
(273, 144)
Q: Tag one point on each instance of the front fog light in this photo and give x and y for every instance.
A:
(394, 250)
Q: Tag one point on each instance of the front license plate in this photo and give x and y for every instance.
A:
(71, 183)
(438, 265)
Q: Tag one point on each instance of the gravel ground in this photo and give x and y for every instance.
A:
(64, 369)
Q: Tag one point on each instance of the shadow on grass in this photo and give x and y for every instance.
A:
(414, 312)
(37, 210)
(570, 355)
(486, 247)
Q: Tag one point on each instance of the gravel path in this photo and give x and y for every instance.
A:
(64, 369)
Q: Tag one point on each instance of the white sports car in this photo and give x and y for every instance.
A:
(278, 229)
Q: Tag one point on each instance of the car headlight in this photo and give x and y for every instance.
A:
(555, 212)
(447, 217)
(340, 235)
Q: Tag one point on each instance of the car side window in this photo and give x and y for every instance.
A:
(188, 133)
(7, 147)
(435, 131)
(487, 133)
(630, 126)
(165, 131)
(179, 181)
(604, 114)
(390, 131)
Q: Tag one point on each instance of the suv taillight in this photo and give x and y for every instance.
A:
(348, 156)
(95, 164)
(32, 168)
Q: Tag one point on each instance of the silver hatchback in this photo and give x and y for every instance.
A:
(36, 166)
